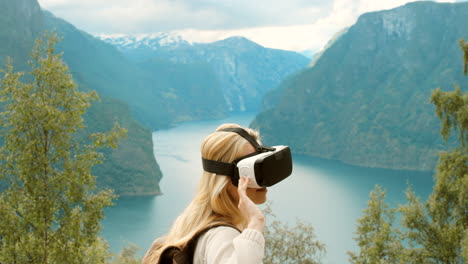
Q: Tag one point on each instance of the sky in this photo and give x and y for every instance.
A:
(283, 24)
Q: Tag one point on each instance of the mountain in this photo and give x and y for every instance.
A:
(20, 22)
(365, 101)
(245, 70)
(330, 42)
(152, 96)
(192, 93)
(310, 54)
(131, 169)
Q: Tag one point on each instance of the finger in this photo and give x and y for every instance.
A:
(242, 188)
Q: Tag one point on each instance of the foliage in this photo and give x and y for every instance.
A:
(128, 256)
(436, 231)
(290, 244)
(51, 210)
(464, 47)
(377, 239)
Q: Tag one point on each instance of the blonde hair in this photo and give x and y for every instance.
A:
(212, 202)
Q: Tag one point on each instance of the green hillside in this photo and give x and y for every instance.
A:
(192, 90)
(132, 168)
(101, 66)
(366, 99)
(20, 21)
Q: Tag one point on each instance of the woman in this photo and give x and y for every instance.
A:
(217, 200)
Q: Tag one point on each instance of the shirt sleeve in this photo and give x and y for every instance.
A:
(227, 245)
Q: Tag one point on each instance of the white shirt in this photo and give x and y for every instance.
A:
(226, 245)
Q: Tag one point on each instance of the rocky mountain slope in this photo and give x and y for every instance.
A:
(365, 101)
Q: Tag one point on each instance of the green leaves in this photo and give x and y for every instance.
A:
(464, 47)
(376, 237)
(51, 208)
(128, 256)
(291, 244)
(452, 110)
(436, 230)
(110, 139)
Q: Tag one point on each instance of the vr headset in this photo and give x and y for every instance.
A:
(265, 167)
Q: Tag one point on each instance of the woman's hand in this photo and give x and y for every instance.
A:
(255, 217)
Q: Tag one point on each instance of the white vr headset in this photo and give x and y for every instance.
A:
(265, 167)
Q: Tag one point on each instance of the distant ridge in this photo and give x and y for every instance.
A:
(246, 71)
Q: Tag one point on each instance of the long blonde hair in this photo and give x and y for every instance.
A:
(212, 202)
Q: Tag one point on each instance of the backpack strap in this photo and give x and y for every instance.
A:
(176, 255)
(168, 255)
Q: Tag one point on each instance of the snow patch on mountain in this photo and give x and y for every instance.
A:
(153, 41)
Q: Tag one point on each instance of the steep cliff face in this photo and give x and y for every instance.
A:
(366, 99)
(20, 23)
(247, 70)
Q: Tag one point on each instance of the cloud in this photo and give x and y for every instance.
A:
(284, 24)
(142, 16)
(313, 36)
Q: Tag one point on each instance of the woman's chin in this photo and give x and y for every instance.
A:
(261, 197)
(258, 196)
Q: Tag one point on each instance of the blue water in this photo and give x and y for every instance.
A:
(328, 194)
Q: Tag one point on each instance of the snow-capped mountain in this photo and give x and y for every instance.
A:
(154, 41)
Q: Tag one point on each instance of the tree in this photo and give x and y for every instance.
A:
(376, 237)
(128, 255)
(286, 244)
(464, 46)
(51, 209)
(435, 230)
